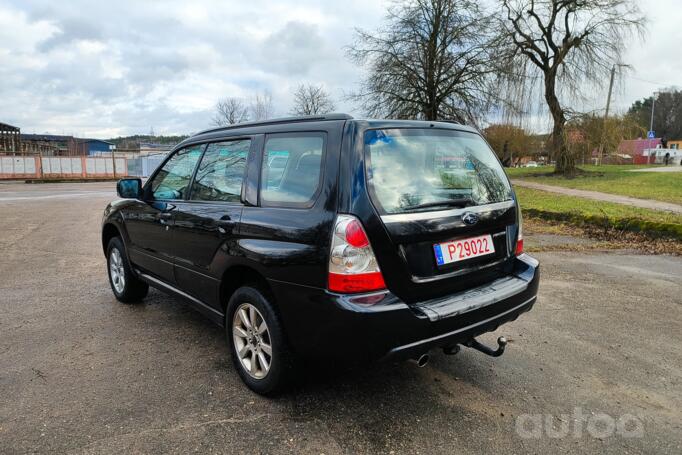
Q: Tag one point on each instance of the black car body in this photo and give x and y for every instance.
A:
(276, 232)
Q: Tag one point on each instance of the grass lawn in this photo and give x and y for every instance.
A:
(578, 210)
(612, 179)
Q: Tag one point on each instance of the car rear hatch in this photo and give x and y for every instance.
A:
(448, 219)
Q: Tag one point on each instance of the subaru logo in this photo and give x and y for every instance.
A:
(470, 218)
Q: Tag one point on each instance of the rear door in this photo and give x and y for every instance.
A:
(208, 221)
(440, 211)
(289, 230)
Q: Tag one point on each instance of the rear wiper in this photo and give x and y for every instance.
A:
(461, 202)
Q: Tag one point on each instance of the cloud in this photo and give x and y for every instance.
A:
(293, 50)
(95, 68)
(70, 31)
(102, 68)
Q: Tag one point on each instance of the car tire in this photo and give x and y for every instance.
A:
(266, 371)
(126, 286)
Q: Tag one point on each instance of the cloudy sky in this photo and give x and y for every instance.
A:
(109, 68)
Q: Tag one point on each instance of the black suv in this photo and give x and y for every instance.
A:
(328, 236)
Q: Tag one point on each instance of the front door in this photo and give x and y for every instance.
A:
(150, 222)
(207, 224)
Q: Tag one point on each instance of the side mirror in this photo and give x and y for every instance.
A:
(129, 188)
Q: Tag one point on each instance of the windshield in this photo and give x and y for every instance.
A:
(412, 170)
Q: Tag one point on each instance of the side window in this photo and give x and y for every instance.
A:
(292, 165)
(172, 181)
(273, 168)
(221, 172)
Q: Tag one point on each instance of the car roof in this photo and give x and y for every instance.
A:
(390, 123)
(280, 124)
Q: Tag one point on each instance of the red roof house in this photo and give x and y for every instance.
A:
(636, 148)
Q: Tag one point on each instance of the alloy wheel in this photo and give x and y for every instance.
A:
(116, 270)
(252, 342)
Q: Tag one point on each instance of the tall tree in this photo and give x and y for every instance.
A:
(667, 114)
(230, 111)
(431, 60)
(312, 100)
(570, 43)
(261, 107)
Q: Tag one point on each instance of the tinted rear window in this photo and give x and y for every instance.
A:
(292, 167)
(412, 170)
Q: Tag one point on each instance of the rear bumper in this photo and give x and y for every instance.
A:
(380, 325)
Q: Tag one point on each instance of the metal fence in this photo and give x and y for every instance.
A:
(143, 166)
(60, 167)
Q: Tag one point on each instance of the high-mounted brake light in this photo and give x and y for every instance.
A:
(353, 267)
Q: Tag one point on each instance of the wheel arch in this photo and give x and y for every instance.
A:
(109, 231)
(239, 275)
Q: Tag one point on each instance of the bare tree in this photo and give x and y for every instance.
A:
(570, 44)
(230, 111)
(261, 107)
(432, 60)
(312, 100)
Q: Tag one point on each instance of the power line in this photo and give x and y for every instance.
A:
(649, 82)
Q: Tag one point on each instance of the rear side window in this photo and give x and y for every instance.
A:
(292, 167)
(274, 168)
(414, 170)
(172, 180)
(221, 172)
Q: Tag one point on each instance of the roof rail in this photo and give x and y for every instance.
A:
(276, 121)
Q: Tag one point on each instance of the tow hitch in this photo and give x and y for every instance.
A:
(501, 344)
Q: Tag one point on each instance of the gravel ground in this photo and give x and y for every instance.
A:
(81, 373)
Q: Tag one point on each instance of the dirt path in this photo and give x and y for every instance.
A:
(659, 169)
(597, 196)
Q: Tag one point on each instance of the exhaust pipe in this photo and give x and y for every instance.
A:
(421, 361)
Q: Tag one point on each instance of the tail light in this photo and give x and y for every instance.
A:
(353, 267)
(519, 238)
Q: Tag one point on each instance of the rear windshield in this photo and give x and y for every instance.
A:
(414, 170)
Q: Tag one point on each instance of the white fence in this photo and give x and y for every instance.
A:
(34, 167)
(143, 166)
(17, 165)
(659, 156)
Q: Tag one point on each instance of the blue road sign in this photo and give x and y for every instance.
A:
(651, 135)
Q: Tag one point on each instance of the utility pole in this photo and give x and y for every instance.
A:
(653, 108)
(113, 158)
(606, 115)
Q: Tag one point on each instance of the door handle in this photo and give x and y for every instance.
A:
(224, 225)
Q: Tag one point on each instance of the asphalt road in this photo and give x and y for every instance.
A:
(599, 357)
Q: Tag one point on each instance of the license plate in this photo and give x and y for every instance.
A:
(460, 250)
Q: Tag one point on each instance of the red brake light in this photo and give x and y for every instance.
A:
(519, 237)
(361, 282)
(353, 267)
(355, 235)
(519, 246)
